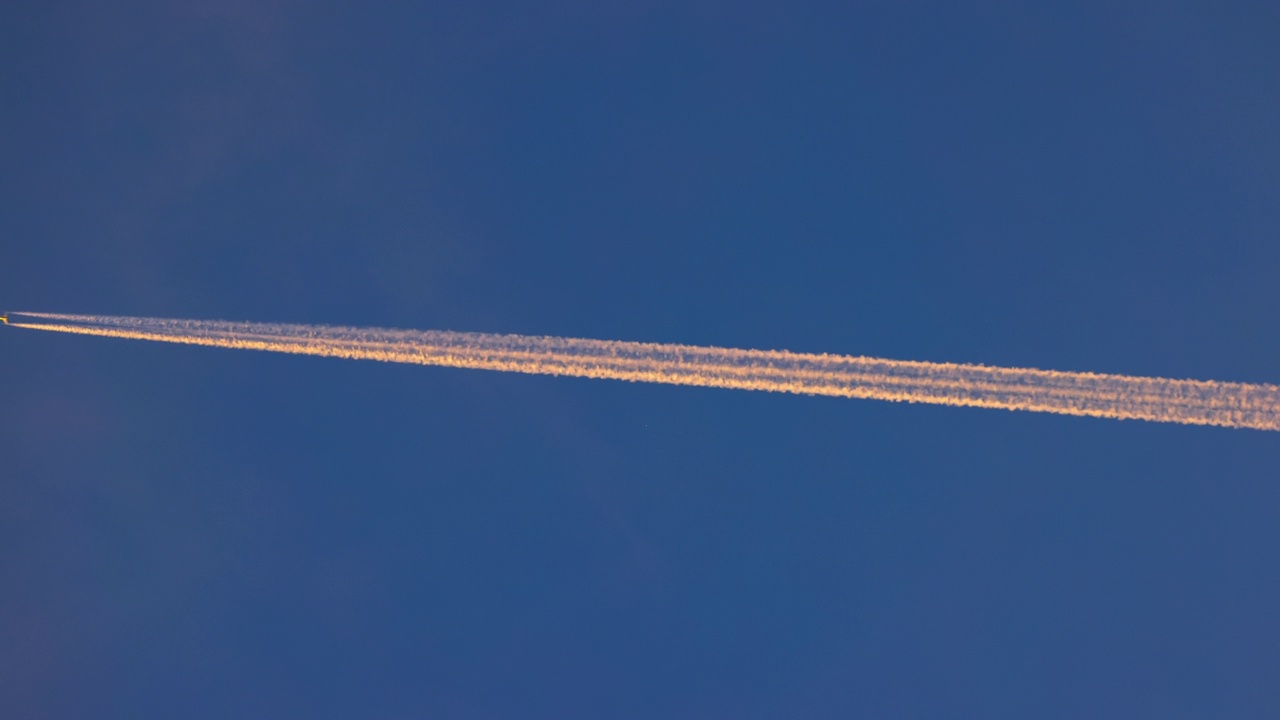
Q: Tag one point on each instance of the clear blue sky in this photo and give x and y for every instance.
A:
(188, 532)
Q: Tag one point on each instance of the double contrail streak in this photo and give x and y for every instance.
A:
(1122, 397)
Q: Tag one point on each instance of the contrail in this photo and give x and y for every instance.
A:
(1122, 397)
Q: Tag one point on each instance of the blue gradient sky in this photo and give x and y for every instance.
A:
(188, 532)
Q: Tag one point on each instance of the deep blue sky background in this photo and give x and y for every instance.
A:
(188, 532)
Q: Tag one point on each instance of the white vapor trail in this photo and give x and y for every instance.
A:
(1123, 397)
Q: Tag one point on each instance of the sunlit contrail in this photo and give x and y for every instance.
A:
(1123, 397)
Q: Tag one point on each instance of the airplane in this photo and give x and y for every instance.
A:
(4, 319)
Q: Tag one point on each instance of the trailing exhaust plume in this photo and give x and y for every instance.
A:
(1122, 397)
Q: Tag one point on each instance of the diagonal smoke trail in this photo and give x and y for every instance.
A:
(1123, 397)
